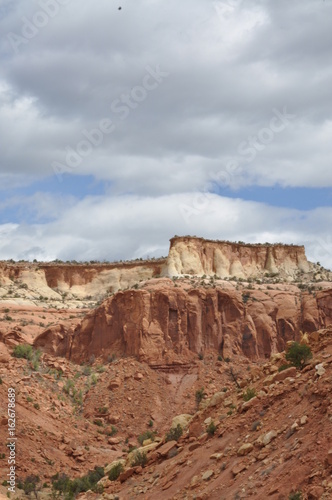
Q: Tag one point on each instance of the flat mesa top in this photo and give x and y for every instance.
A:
(234, 243)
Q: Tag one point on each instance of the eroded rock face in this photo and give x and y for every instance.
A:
(196, 256)
(166, 325)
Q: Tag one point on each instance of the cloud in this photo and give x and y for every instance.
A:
(229, 66)
(128, 227)
(78, 96)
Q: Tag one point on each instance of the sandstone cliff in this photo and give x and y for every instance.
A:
(26, 282)
(197, 256)
(165, 324)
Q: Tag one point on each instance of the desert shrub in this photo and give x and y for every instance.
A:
(199, 395)
(115, 471)
(249, 394)
(146, 435)
(26, 351)
(298, 354)
(211, 429)
(23, 351)
(150, 424)
(295, 496)
(112, 432)
(139, 459)
(68, 386)
(111, 358)
(31, 484)
(98, 422)
(86, 371)
(174, 434)
(219, 358)
(70, 488)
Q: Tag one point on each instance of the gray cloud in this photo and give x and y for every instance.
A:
(133, 226)
(229, 64)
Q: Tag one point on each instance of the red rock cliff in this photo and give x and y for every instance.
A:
(167, 324)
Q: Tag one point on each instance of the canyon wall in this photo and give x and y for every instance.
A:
(196, 256)
(167, 325)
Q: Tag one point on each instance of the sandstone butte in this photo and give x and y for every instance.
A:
(127, 347)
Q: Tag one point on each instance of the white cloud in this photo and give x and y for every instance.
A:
(131, 226)
(227, 66)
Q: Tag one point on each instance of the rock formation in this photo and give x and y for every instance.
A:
(164, 325)
(196, 256)
(187, 256)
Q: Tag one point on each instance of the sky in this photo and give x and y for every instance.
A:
(121, 127)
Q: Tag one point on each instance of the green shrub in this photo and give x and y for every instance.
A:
(70, 488)
(295, 496)
(68, 386)
(98, 422)
(219, 358)
(199, 395)
(211, 429)
(298, 354)
(146, 435)
(115, 471)
(23, 351)
(31, 484)
(174, 434)
(86, 371)
(249, 394)
(112, 432)
(150, 424)
(139, 459)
